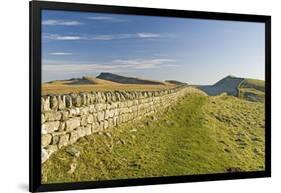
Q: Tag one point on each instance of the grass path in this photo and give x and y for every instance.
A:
(198, 135)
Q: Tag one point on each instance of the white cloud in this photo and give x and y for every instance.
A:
(60, 22)
(112, 66)
(106, 37)
(148, 35)
(60, 53)
(101, 37)
(144, 63)
(61, 37)
(106, 18)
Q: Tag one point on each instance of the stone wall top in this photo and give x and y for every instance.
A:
(63, 101)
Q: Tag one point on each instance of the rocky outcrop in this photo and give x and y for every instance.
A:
(66, 118)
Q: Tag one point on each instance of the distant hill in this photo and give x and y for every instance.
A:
(249, 89)
(126, 80)
(175, 82)
(104, 82)
(227, 85)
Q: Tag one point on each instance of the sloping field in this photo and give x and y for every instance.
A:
(89, 84)
(227, 85)
(198, 135)
(252, 90)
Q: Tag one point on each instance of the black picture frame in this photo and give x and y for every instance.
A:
(35, 94)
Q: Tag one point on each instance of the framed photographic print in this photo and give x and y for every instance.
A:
(125, 96)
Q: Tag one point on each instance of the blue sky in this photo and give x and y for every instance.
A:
(196, 51)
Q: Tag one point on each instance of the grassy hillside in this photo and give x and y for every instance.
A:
(198, 135)
(248, 89)
(252, 90)
(89, 84)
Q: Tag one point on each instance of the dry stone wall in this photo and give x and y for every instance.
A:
(66, 118)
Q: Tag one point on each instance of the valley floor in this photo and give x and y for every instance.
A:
(198, 135)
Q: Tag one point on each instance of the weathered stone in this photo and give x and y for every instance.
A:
(42, 118)
(88, 129)
(100, 107)
(100, 116)
(55, 140)
(45, 103)
(46, 139)
(61, 101)
(73, 151)
(65, 115)
(73, 137)
(44, 155)
(106, 114)
(101, 126)
(95, 127)
(72, 123)
(92, 109)
(63, 141)
(68, 101)
(115, 120)
(51, 149)
(90, 118)
(84, 120)
(73, 166)
(110, 122)
(74, 112)
(49, 127)
(105, 126)
(54, 103)
(88, 98)
(62, 126)
(52, 115)
(76, 99)
(81, 132)
(83, 99)
(84, 111)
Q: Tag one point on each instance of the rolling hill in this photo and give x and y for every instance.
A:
(249, 89)
(126, 80)
(227, 85)
(103, 82)
(252, 90)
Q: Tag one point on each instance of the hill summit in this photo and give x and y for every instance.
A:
(229, 85)
(126, 80)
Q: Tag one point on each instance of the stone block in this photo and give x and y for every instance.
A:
(100, 116)
(90, 118)
(45, 103)
(88, 129)
(52, 115)
(46, 140)
(105, 126)
(49, 127)
(54, 103)
(95, 127)
(68, 101)
(61, 101)
(64, 140)
(72, 123)
(73, 137)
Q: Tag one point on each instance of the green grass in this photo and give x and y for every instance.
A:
(252, 90)
(198, 135)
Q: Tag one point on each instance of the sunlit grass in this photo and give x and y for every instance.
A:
(198, 135)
